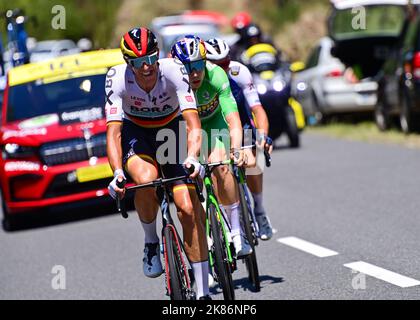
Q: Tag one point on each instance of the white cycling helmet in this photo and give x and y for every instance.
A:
(188, 49)
(217, 49)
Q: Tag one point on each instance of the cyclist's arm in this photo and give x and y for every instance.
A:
(193, 132)
(261, 119)
(114, 117)
(113, 145)
(235, 129)
(230, 111)
(245, 81)
(243, 78)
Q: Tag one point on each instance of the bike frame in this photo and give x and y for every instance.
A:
(211, 199)
(167, 221)
(241, 179)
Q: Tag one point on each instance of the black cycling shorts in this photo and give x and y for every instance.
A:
(165, 154)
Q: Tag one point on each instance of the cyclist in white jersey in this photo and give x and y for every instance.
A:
(249, 105)
(144, 96)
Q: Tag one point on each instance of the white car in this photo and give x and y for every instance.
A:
(325, 87)
(170, 29)
(49, 49)
(167, 36)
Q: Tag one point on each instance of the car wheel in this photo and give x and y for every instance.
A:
(8, 221)
(320, 117)
(409, 122)
(382, 118)
(291, 128)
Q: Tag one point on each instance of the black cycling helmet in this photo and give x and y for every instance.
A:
(137, 43)
(253, 31)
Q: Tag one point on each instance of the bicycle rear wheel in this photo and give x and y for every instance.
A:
(177, 278)
(250, 260)
(222, 266)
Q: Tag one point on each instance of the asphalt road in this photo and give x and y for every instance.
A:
(361, 201)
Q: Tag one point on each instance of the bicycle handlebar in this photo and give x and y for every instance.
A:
(121, 204)
(267, 158)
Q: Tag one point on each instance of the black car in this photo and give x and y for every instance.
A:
(399, 81)
(368, 37)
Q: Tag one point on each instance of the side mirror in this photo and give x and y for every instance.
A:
(85, 44)
(297, 66)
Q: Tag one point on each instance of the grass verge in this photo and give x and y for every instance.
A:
(367, 132)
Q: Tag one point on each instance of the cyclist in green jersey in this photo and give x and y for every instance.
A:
(220, 120)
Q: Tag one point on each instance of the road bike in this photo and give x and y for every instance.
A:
(178, 274)
(221, 250)
(249, 222)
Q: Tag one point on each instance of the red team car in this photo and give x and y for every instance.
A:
(53, 133)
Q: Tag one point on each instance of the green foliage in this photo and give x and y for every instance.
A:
(280, 12)
(93, 19)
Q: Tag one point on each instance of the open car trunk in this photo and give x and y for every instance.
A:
(365, 32)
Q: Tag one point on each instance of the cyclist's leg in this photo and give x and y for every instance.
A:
(138, 162)
(224, 180)
(255, 184)
(248, 142)
(192, 217)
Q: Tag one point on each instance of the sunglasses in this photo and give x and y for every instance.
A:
(149, 60)
(195, 65)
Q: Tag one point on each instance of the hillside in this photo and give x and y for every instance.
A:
(285, 20)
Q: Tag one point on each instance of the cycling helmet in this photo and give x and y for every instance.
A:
(137, 43)
(189, 49)
(240, 20)
(217, 49)
(253, 30)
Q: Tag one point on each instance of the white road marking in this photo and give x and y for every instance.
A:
(383, 274)
(307, 247)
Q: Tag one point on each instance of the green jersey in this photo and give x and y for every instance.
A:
(214, 96)
(214, 102)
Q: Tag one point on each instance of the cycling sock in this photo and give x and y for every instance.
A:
(201, 276)
(150, 235)
(233, 215)
(258, 202)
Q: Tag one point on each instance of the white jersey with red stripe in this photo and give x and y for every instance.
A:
(126, 100)
(243, 77)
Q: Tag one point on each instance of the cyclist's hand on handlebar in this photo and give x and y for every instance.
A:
(266, 143)
(113, 188)
(238, 156)
(198, 168)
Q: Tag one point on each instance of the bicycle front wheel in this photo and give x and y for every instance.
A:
(177, 278)
(222, 266)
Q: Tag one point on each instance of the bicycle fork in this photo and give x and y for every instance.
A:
(227, 239)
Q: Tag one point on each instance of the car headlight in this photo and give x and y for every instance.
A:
(278, 85)
(261, 88)
(301, 86)
(15, 151)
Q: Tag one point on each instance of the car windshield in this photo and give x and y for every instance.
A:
(37, 98)
(204, 33)
(44, 46)
(368, 21)
(263, 61)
